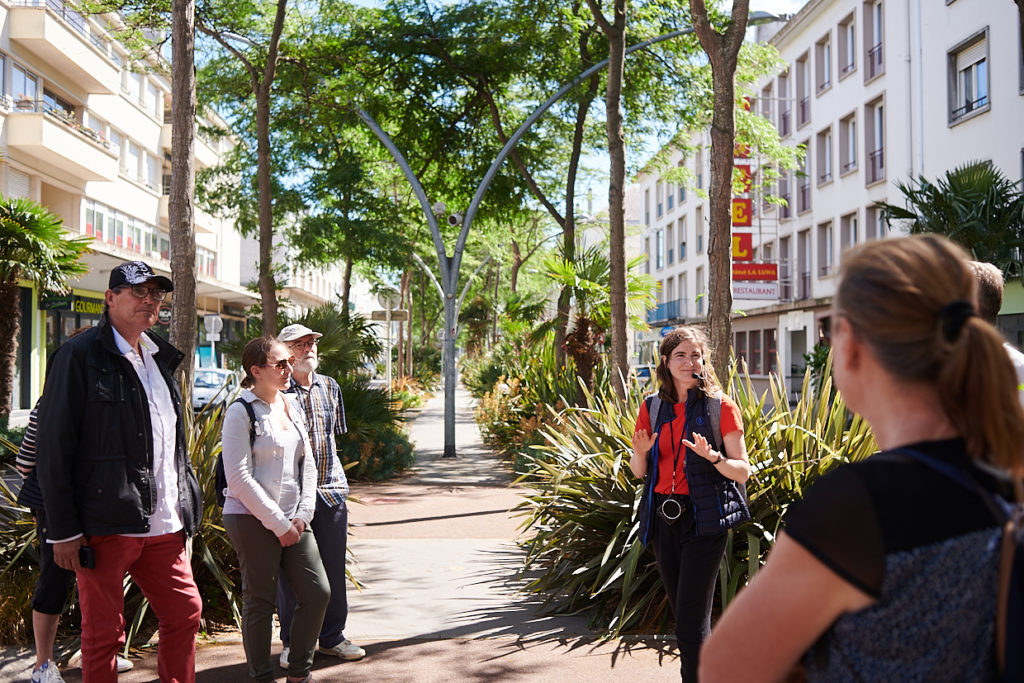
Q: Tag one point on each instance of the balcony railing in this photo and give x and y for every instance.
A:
(848, 68)
(785, 210)
(667, 311)
(849, 165)
(23, 105)
(825, 85)
(875, 61)
(784, 123)
(804, 115)
(804, 198)
(876, 165)
(71, 17)
(968, 107)
(825, 177)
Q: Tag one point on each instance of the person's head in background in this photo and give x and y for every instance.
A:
(909, 304)
(990, 289)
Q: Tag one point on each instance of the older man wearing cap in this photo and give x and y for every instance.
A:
(118, 488)
(321, 401)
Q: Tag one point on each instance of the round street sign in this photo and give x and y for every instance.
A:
(665, 330)
(163, 316)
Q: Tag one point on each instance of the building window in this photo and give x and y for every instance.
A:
(803, 242)
(700, 291)
(847, 36)
(803, 91)
(23, 84)
(968, 78)
(657, 197)
(670, 245)
(647, 251)
(803, 194)
(699, 168)
(848, 144)
(825, 249)
(767, 104)
(825, 156)
(873, 38)
(784, 108)
(874, 141)
(786, 195)
(755, 353)
(681, 231)
(770, 353)
(740, 348)
(659, 249)
(647, 206)
(875, 223)
(785, 270)
(700, 229)
(670, 195)
(55, 104)
(823, 63)
(848, 231)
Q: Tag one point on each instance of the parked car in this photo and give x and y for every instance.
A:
(212, 385)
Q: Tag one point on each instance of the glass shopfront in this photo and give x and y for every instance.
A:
(67, 314)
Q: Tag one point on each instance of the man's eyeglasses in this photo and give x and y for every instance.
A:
(281, 365)
(303, 344)
(142, 291)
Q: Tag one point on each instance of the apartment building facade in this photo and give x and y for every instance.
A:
(876, 91)
(86, 133)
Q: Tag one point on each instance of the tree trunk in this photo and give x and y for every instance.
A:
(181, 212)
(721, 49)
(346, 284)
(517, 263)
(10, 324)
(268, 287)
(616, 197)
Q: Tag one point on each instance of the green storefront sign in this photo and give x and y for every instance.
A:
(72, 302)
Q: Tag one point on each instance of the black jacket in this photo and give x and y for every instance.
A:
(95, 444)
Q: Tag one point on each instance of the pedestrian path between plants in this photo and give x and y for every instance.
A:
(435, 553)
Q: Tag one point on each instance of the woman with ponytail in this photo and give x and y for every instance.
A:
(887, 570)
(688, 448)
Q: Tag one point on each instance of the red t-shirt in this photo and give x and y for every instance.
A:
(669, 442)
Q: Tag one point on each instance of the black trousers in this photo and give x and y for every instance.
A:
(688, 565)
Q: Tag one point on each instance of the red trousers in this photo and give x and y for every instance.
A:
(159, 567)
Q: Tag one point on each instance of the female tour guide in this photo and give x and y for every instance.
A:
(688, 447)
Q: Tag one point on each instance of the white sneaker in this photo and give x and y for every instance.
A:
(47, 673)
(346, 649)
(124, 664)
(283, 661)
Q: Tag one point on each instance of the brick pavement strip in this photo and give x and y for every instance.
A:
(436, 555)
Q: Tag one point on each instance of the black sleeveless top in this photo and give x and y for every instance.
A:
(925, 547)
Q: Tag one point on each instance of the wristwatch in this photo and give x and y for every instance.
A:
(720, 459)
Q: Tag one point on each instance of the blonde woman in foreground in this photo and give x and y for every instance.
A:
(887, 570)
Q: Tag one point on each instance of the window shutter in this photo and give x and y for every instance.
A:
(17, 183)
(971, 55)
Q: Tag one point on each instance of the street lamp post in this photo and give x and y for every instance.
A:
(449, 266)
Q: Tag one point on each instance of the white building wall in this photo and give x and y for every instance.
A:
(912, 82)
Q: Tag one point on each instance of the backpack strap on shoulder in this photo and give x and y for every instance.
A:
(715, 416)
(654, 412)
(252, 419)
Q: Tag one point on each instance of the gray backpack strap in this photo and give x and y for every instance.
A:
(654, 412)
(715, 415)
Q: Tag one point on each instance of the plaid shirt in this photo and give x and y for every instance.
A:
(324, 409)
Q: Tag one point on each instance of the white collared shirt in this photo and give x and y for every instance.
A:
(166, 517)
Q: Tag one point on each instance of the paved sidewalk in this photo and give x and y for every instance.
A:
(435, 553)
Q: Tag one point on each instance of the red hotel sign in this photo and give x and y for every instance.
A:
(755, 271)
(742, 246)
(742, 212)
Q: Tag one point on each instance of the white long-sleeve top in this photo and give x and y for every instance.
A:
(263, 480)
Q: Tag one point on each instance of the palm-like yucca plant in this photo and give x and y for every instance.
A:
(581, 529)
(33, 246)
(974, 205)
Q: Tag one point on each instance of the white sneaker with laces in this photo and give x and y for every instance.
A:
(346, 649)
(124, 664)
(47, 673)
(283, 661)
